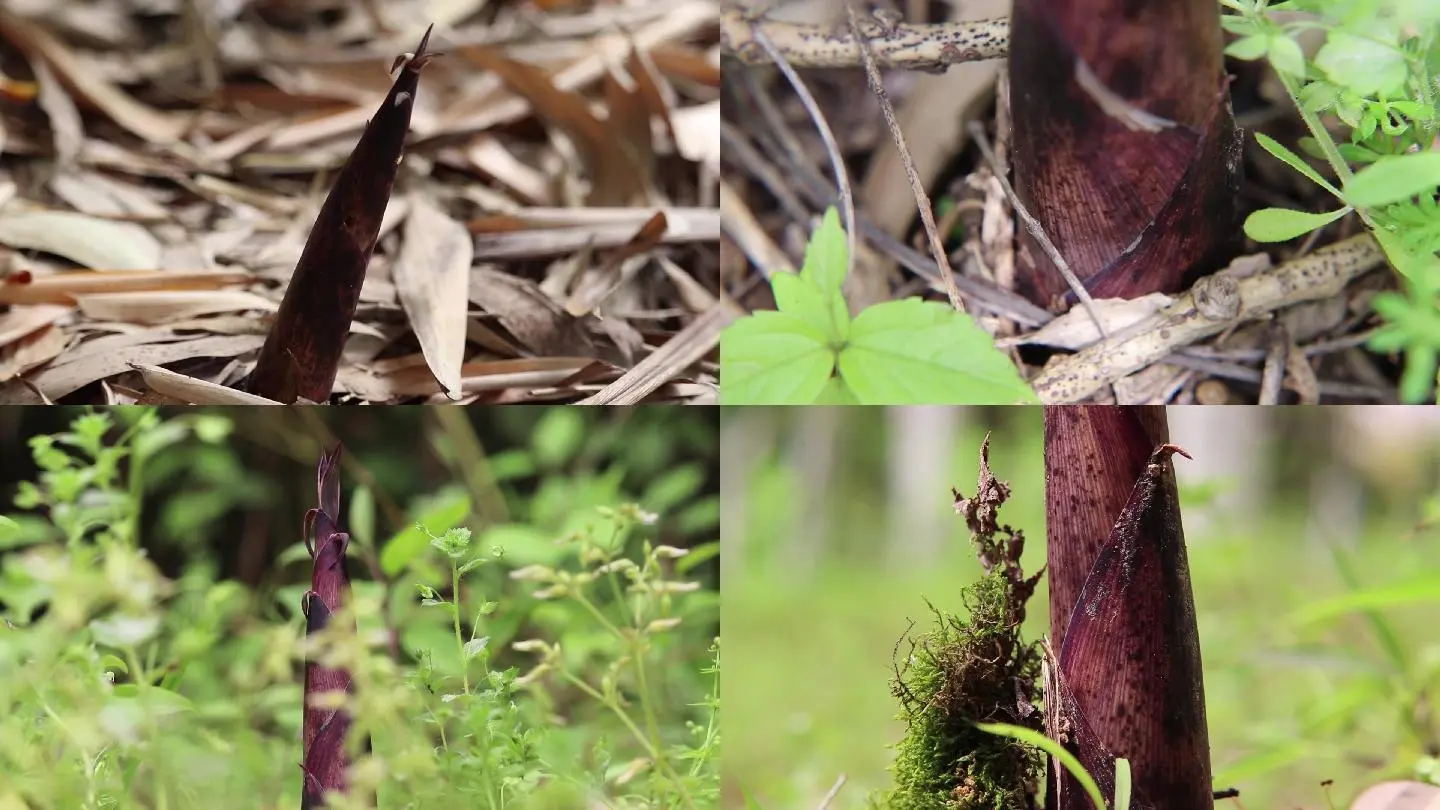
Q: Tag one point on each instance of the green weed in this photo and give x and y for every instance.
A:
(909, 351)
(1378, 72)
(122, 687)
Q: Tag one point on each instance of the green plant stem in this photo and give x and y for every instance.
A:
(614, 707)
(137, 467)
(651, 740)
(710, 722)
(594, 611)
(1317, 129)
(455, 613)
(152, 729)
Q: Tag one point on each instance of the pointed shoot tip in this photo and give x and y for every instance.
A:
(1164, 451)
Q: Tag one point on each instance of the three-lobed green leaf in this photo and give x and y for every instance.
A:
(916, 351)
(897, 352)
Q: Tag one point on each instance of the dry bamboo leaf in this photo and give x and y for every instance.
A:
(32, 350)
(527, 313)
(680, 352)
(165, 305)
(21, 321)
(195, 391)
(65, 128)
(95, 194)
(692, 293)
(486, 111)
(490, 375)
(595, 286)
(616, 177)
(489, 155)
(89, 241)
(652, 89)
(697, 134)
(57, 380)
(62, 288)
(431, 275)
(557, 241)
(147, 122)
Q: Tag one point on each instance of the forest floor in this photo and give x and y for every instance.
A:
(161, 165)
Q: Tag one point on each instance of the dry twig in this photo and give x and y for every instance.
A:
(917, 47)
(1320, 275)
(922, 200)
(842, 178)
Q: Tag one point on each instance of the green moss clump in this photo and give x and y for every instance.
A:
(963, 671)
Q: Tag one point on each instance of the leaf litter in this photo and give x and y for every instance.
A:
(553, 224)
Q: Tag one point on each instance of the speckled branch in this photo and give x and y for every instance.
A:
(1212, 305)
(915, 47)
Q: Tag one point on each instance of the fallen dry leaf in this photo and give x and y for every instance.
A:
(31, 350)
(1075, 329)
(62, 288)
(193, 390)
(57, 380)
(540, 324)
(431, 276)
(149, 123)
(98, 244)
(153, 307)
(617, 175)
(21, 321)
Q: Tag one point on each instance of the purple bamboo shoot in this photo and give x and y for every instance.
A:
(302, 351)
(1129, 678)
(325, 759)
(1125, 149)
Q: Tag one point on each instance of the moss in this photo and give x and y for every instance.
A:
(975, 669)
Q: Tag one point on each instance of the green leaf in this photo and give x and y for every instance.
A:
(1286, 56)
(362, 515)
(1249, 47)
(1422, 590)
(914, 352)
(1280, 224)
(448, 509)
(1122, 784)
(1394, 178)
(1362, 65)
(836, 392)
(1368, 122)
(1317, 96)
(1054, 749)
(1294, 161)
(557, 436)
(1237, 25)
(1418, 378)
(772, 358)
(799, 296)
(1413, 110)
(475, 646)
(522, 544)
(8, 530)
(828, 255)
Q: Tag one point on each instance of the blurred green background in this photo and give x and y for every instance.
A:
(233, 491)
(1314, 544)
